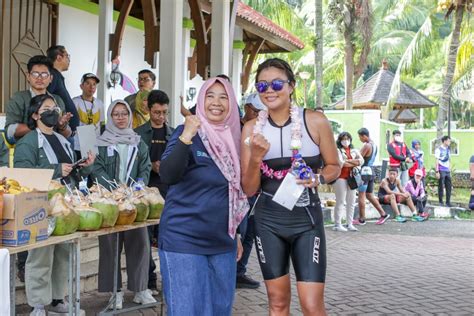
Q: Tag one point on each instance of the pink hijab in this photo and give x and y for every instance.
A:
(222, 141)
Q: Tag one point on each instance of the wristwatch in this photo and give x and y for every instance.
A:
(321, 179)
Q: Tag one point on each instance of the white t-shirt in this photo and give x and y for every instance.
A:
(90, 113)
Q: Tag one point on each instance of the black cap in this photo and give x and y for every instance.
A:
(88, 76)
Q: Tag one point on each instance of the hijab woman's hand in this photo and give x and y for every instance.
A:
(66, 169)
(90, 160)
(191, 127)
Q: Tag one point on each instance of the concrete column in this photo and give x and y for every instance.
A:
(220, 28)
(188, 25)
(106, 8)
(171, 55)
(237, 49)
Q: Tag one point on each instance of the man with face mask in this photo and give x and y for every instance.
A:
(399, 156)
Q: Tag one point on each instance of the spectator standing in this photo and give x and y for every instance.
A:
(369, 153)
(146, 82)
(399, 156)
(61, 59)
(39, 78)
(155, 134)
(90, 109)
(418, 158)
(350, 159)
(443, 171)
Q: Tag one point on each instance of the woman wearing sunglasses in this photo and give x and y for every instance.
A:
(284, 142)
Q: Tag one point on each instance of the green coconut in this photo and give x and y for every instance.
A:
(55, 187)
(90, 218)
(127, 213)
(142, 209)
(67, 221)
(155, 201)
(109, 210)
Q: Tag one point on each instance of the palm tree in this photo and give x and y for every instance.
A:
(349, 16)
(318, 52)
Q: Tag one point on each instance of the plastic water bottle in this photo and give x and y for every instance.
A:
(139, 185)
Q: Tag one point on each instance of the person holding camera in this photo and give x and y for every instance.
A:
(46, 268)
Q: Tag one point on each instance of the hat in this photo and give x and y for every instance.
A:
(254, 99)
(88, 76)
(418, 172)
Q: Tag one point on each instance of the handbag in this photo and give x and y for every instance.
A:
(355, 179)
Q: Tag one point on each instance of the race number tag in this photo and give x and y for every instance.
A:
(289, 192)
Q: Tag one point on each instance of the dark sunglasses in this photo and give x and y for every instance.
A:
(276, 85)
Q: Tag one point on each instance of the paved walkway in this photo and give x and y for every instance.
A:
(395, 269)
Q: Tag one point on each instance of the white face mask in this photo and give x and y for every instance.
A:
(345, 143)
(398, 139)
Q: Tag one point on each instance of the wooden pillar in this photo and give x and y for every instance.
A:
(106, 8)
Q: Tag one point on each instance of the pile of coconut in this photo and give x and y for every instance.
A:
(71, 210)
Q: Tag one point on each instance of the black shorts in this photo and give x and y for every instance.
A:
(367, 187)
(281, 234)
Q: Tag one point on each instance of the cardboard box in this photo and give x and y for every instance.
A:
(25, 215)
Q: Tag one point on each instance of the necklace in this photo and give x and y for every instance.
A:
(298, 165)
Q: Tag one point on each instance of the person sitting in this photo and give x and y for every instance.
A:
(417, 191)
(391, 193)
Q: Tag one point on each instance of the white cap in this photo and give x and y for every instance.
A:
(254, 99)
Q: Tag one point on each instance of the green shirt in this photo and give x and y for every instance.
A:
(17, 109)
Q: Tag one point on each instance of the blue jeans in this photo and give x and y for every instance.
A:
(247, 242)
(201, 285)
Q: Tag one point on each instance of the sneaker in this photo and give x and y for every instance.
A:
(153, 292)
(448, 204)
(416, 218)
(382, 219)
(425, 215)
(400, 219)
(143, 297)
(351, 228)
(118, 300)
(59, 306)
(38, 311)
(246, 282)
(359, 221)
(339, 228)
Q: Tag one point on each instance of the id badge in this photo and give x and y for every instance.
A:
(289, 192)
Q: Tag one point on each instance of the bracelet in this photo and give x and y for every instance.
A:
(184, 141)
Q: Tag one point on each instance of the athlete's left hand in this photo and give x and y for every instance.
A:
(240, 248)
(312, 182)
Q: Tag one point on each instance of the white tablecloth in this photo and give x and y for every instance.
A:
(5, 282)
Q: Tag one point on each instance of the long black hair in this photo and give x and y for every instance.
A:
(341, 136)
(35, 104)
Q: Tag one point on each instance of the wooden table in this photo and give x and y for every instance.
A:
(74, 281)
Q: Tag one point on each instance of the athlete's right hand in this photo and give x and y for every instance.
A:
(259, 147)
(191, 126)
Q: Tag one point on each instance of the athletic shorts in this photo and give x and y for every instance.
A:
(281, 235)
(367, 187)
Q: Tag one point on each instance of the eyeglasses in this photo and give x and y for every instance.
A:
(56, 108)
(37, 74)
(120, 114)
(144, 79)
(276, 85)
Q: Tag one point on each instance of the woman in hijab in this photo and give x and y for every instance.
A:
(205, 203)
(123, 157)
(43, 148)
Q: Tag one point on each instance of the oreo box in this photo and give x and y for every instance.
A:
(25, 215)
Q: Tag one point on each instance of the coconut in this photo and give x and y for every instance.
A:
(90, 218)
(108, 208)
(143, 210)
(66, 220)
(155, 201)
(55, 187)
(127, 213)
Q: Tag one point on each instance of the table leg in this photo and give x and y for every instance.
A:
(70, 278)
(12, 284)
(78, 277)
(116, 269)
